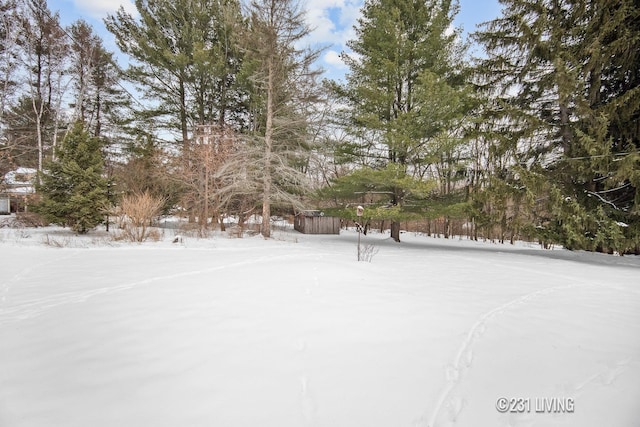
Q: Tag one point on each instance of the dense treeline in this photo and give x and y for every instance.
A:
(561, 84)
(220, 111)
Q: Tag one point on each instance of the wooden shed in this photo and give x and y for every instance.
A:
(314, 222)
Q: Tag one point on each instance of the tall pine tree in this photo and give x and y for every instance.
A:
(563, 75)
(405, 98)
(187, 58)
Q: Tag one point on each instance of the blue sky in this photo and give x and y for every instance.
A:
(333, 21)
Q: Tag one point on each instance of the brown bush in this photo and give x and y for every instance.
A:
(30, 219)
(137, 213)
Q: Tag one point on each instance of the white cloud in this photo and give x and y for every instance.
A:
(100, 8)
(350, 13)
(450, 29)
(332, 21)
(323, 29)
(333, 59)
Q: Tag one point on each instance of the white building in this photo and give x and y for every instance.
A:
(15, 189)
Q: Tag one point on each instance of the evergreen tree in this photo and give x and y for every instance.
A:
(608, 134)
(9, 33)
(96, 77)
(405, 98)
(374, 187)
(187, 58)
(73, 189)
(564, 78)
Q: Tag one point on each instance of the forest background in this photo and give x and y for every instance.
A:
(528, 128)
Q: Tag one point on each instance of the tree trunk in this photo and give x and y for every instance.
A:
(40, 144)
(475, 229)
(183, 112)
(266, 195)
(98, 128)
(395, 231)
(205, 208)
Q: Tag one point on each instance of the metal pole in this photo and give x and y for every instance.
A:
(359, 213)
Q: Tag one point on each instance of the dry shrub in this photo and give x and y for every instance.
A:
(367, 252)
(29, 219)
(138, 211)
(56, 243)
(194, 230)
(235, 231)
(155, 235)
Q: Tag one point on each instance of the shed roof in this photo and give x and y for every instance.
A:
(19, 181)
(311, 213)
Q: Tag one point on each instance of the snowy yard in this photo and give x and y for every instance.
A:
(294, 332)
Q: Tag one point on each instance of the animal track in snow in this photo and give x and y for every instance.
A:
(25, 272)
(464, 356)
(309, 409)
(606, 376)
(35, 307)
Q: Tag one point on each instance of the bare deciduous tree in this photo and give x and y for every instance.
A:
(44, 53)
(284, 87)
(200, 172)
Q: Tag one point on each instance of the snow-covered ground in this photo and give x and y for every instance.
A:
(293, 331)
